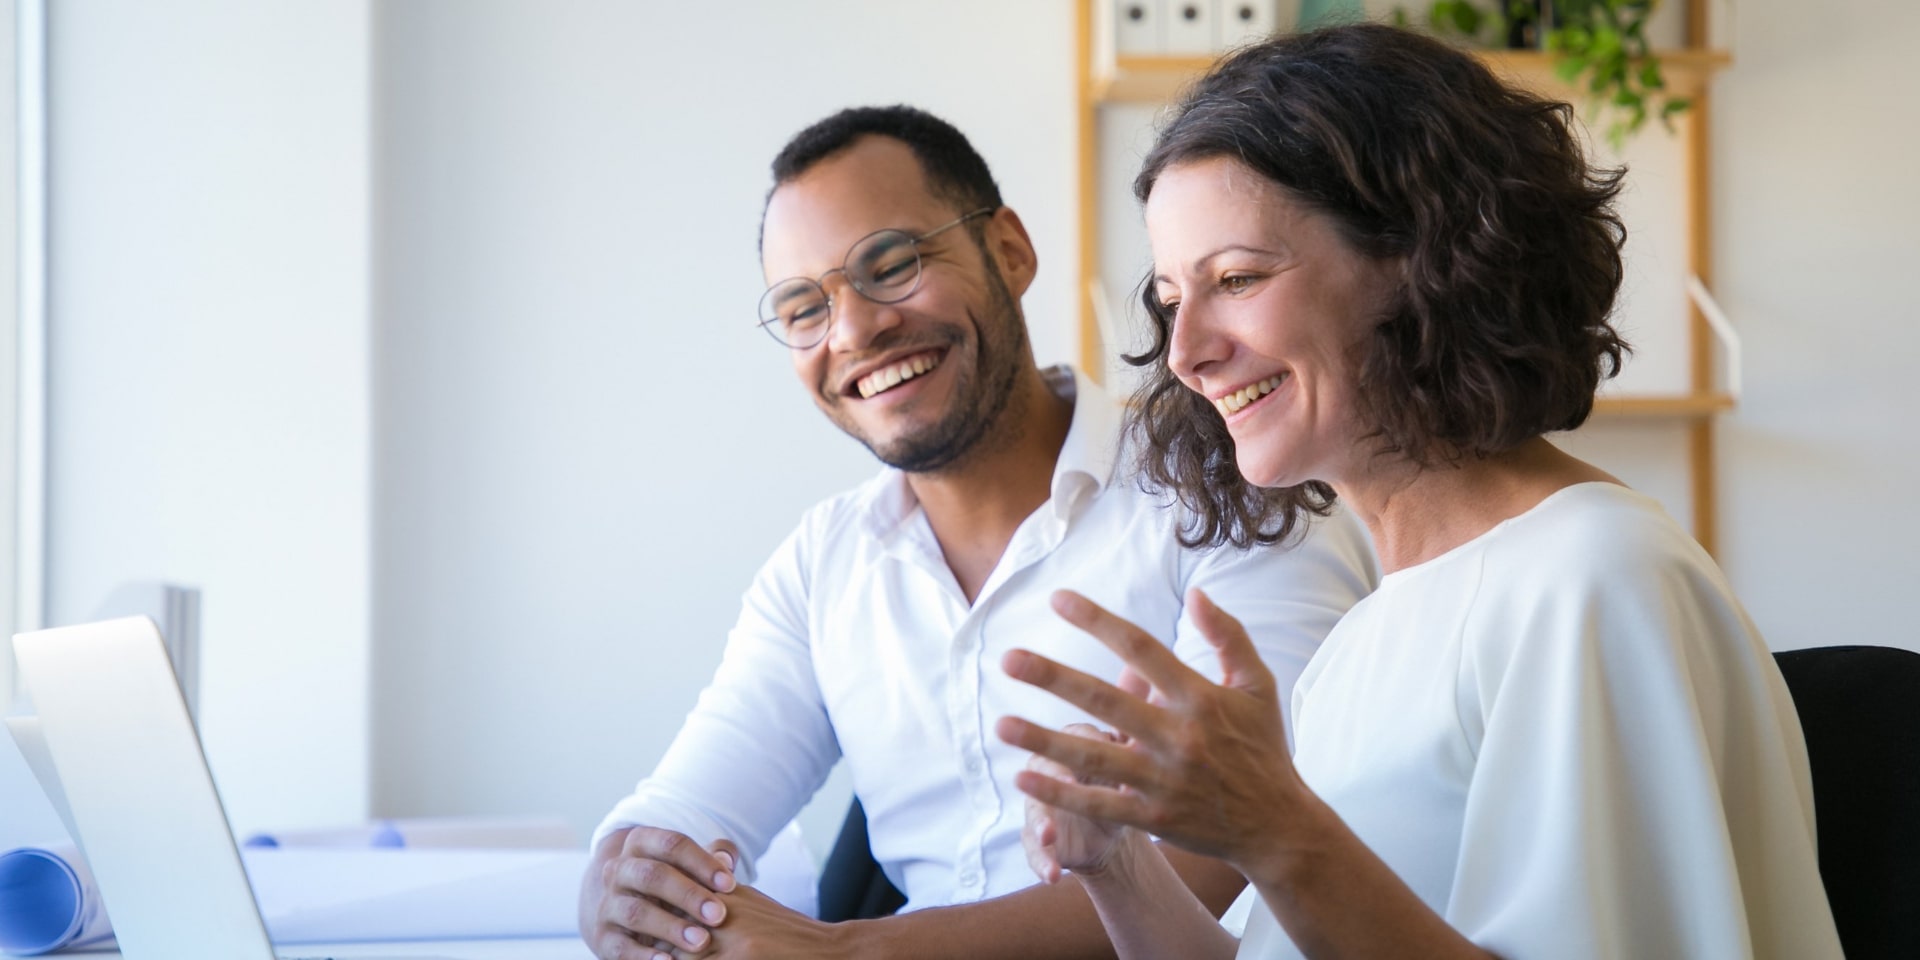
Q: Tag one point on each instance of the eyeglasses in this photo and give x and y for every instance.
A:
(884, 266)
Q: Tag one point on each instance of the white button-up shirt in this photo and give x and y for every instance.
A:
(856, 641)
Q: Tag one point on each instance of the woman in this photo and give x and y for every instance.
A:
(1382, 276)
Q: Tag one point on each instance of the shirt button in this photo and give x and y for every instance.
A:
(973, 764)
(968, 878)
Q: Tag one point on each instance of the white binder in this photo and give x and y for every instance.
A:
(1136, 28)
(1188, 25)
(1241, 22)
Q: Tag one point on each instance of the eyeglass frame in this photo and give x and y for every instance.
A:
(767, 323)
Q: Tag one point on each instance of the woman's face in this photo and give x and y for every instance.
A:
(1270, 305)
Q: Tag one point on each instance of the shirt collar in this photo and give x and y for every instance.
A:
(1087, 458)
(1084, 467)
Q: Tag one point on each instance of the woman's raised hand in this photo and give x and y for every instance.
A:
(1200, 764)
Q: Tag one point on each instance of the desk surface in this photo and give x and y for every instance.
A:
(568, 948)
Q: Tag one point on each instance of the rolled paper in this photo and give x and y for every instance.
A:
(388, 836)
(48, 902)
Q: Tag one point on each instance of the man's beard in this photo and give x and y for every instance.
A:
(980, 395)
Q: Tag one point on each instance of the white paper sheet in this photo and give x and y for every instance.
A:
(341, 895)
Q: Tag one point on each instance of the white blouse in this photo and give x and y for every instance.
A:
(1569, 740)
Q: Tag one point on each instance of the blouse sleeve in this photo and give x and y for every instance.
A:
(1640, 788)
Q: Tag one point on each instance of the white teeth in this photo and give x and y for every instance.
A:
(1237, 400)
(887, 378)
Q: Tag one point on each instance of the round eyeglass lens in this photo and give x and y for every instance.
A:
(795, 312)
(885, 266)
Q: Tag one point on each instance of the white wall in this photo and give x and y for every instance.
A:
(209, 364)
(583, 447)
(1817, 241)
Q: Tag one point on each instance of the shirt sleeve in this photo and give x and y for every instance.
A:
(758, 742)
(1288, 597)
(1637, 791)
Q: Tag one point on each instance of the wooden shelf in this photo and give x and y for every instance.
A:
(1676, 407)
(1153, 80)
(1686, 71)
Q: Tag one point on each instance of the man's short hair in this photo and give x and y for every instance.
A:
(955, 172)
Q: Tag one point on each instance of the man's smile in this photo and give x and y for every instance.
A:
(895, 372)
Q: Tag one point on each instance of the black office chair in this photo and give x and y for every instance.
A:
(852, 885)
(1860, 708)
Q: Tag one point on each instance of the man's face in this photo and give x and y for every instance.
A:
(920, 382)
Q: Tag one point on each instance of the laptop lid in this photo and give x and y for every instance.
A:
(143, 803)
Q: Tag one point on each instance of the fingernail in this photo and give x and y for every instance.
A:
(726, 858)
(711, 911)
(696, 936)
(723, 882)
(661, 956)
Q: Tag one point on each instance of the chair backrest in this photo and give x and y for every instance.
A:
(852, 885)
(1860, 709)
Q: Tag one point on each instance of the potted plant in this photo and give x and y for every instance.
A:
(1599, 46)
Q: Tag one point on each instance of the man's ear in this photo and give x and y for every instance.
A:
(1012, 250)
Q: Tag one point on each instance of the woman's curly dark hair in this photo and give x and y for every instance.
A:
(1508, 240)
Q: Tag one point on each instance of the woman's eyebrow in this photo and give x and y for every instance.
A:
(1200, 263)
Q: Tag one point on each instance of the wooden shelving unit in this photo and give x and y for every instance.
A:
(1681, 407)
(1149, 80)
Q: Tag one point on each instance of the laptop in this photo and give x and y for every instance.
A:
(142, 801)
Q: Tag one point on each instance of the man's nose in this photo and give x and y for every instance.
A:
(856, 320)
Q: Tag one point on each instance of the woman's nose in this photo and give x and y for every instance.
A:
(1193, 344)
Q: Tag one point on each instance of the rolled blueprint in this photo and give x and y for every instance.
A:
(48, 901)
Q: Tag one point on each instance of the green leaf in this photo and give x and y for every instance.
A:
(1570, 68)
(1466, 18)
(1650, 76)
(1606, 42)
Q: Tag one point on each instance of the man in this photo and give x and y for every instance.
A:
(875, 631)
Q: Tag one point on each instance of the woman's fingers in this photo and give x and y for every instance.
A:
(1040, 835)
(1196, 763)
(1094, 803)
(1127, 713)
(1240, 664)
(1144, 654)
(1037, 838)
(1086, 760)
